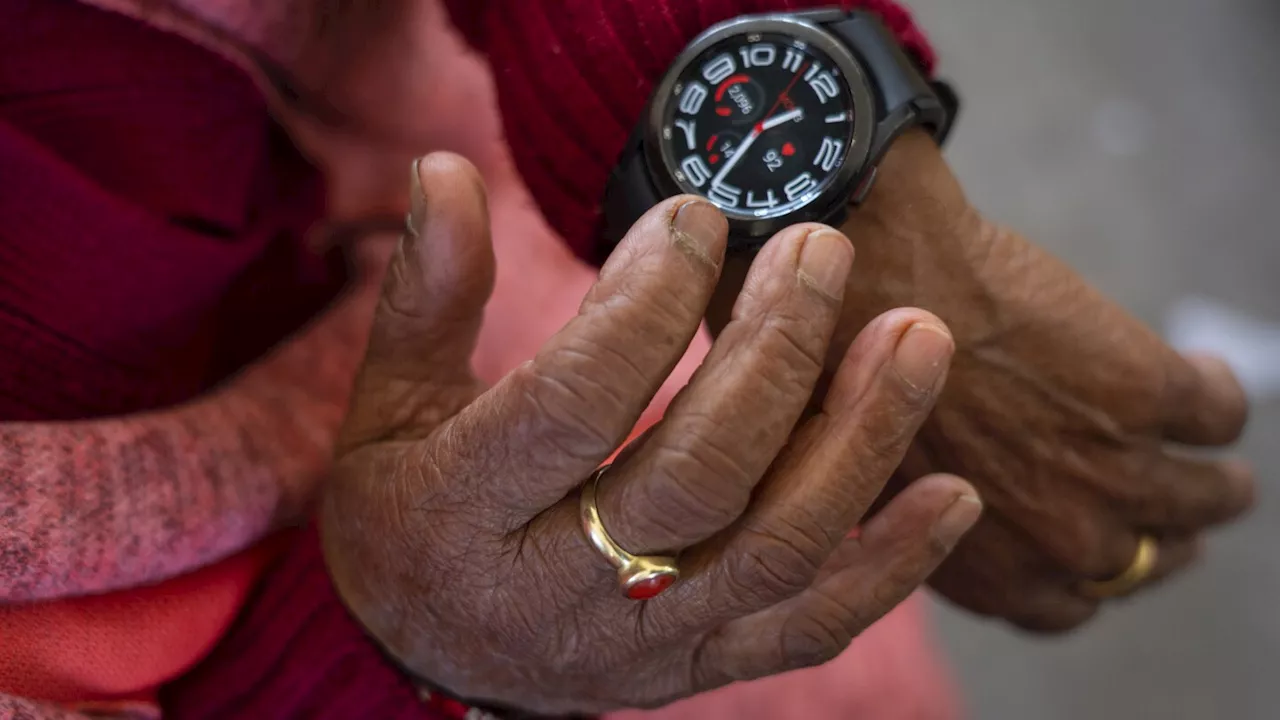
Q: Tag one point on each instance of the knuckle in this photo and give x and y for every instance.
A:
(605, 371)
(707, 449)
(890, 421)
(565, 414)
(1167, 387)
(799, 528)
(885, 445)
(648, 298)
(699, 487)
(811, 639)
(1092, 556)
(794, 342)
(1167, 491)
(1138, 481)
(1085, 543)
(902, 579)
(772, 566)
(399, 304)
(886, 436)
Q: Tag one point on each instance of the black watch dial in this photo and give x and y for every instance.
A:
(760, 124)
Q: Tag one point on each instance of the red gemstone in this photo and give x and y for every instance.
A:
(650, 588)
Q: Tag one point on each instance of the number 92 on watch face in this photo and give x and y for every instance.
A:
(759, 124)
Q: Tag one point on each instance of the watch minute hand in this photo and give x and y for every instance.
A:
(738, 153)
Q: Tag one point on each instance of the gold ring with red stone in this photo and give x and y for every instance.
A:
(640, 577)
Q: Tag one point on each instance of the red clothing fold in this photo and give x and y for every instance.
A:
(295, 653)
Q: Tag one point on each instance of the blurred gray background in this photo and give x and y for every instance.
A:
(1136, 139)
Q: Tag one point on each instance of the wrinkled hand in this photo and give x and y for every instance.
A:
(1065, 411)
(451, 526)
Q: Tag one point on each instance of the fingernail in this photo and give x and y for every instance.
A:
(825, 261)
(699, 230)
(957, 520)
(922, 354)
(417, 203)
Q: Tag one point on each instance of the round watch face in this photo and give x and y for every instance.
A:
(764, 119)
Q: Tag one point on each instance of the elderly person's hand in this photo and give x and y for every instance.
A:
(452, 528)
(1065, 412)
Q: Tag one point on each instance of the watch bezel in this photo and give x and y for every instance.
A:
(837, 193)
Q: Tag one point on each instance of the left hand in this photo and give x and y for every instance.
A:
(1064, 411)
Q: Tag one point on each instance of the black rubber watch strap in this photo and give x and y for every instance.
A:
(628, 194)
(905, 98)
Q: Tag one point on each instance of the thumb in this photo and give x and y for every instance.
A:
(417, 369)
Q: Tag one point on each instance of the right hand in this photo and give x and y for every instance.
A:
(1071, 417)
(451, 526)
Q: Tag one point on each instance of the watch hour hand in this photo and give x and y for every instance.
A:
(785, 117)
(741, 151)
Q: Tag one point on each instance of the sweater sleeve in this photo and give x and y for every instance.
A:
(573, 77)
(296, 653)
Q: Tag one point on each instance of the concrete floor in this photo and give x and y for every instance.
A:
(1136, 139)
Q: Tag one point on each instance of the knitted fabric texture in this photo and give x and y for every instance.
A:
(152, 243)
(573, 77)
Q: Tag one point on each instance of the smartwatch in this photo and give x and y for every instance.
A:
(776, 119)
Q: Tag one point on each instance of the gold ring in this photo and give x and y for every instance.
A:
(640, 577)
(1144, 561)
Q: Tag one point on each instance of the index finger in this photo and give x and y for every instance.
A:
(544, 428)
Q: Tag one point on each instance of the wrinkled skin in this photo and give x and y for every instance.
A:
(1062, 403)
(1063, 410)
(451, 526)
